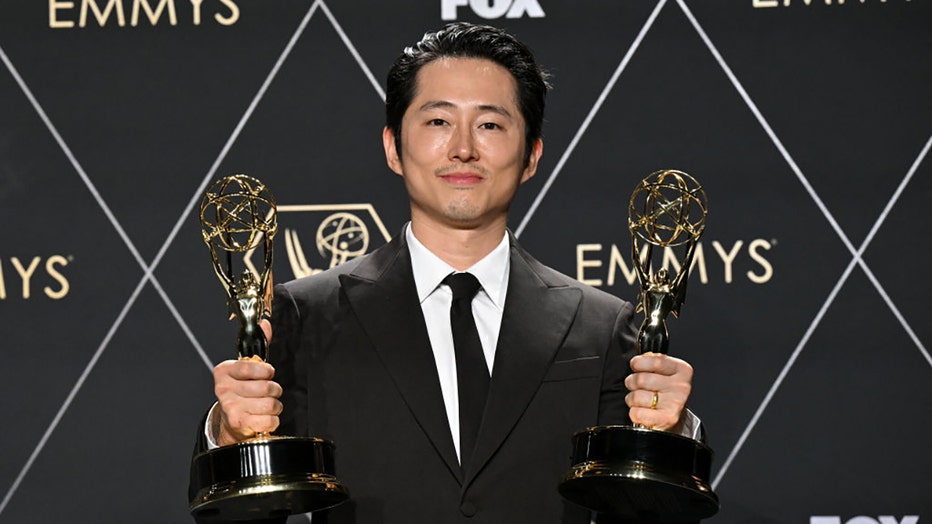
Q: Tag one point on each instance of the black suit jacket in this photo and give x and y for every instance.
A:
(351, 350)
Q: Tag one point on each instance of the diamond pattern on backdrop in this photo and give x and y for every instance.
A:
(809, 341)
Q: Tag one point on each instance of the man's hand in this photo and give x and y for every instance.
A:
(658, 390)
(247, 397)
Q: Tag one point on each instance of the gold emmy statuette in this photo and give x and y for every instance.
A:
(635, 472)
(266, 476)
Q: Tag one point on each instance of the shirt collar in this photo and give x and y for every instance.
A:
(430, 270)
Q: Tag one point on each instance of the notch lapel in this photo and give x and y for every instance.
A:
(383, 295)
(534, 324)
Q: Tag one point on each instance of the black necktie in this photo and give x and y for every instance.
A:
(472, 373)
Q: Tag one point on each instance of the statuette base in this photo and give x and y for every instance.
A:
(265, 477)
(640, 474)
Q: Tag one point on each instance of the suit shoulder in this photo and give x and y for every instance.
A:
(554, 278)
(321, 283)
(592, 294)
(327, 283)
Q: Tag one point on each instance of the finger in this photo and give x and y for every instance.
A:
(658, 363)
(263, 423)
(240, 415)
(258, 389)
(244, 370)
(654, 418)
(674, 388)
(241, 396)
(647, 381)
(642, 398)
(266, 406)
(242, 426)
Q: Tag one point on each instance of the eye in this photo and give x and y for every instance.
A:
(436, 122)
(490, 126)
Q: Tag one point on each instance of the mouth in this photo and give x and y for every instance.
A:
(462, 178)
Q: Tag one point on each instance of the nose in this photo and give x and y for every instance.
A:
(463, 145)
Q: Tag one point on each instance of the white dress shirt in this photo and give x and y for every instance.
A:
(436, 298)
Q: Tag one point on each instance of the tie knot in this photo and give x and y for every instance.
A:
(464, 285)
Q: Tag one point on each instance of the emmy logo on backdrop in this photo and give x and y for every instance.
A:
(340, 237)
(343, 236)
(635, 472)
(266, 476)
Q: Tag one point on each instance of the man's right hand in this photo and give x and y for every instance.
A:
(247, 396)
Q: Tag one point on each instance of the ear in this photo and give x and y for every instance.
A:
(537, 149)
(392, 157)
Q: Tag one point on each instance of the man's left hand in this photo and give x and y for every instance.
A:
(658, 390)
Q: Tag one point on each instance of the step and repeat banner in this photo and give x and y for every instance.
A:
(808, 123)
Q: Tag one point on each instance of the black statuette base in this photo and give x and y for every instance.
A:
(266, 477)
(640, 474)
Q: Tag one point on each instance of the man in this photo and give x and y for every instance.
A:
(364, 354)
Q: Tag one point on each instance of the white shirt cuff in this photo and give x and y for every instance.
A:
(212, 427)
(690, 426)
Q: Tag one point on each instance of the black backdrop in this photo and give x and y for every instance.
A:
(808, 123)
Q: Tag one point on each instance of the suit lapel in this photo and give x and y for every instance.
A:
(534, 324)
(382, 293)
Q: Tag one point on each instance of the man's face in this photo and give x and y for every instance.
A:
(462, 140)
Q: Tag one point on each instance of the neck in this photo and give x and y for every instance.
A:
(459, 247)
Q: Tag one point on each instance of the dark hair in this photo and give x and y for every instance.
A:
(465, 40)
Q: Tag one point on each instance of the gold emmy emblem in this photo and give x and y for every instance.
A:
(343, 236)
(667, 209)
(340, 237)
(635, 472)
(266, 476)
(237, 213)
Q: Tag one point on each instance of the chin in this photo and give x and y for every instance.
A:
(463, 214)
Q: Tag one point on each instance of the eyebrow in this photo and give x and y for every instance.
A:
(444, 104)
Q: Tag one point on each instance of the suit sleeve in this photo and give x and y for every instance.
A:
(290, 364)
(622, 346)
